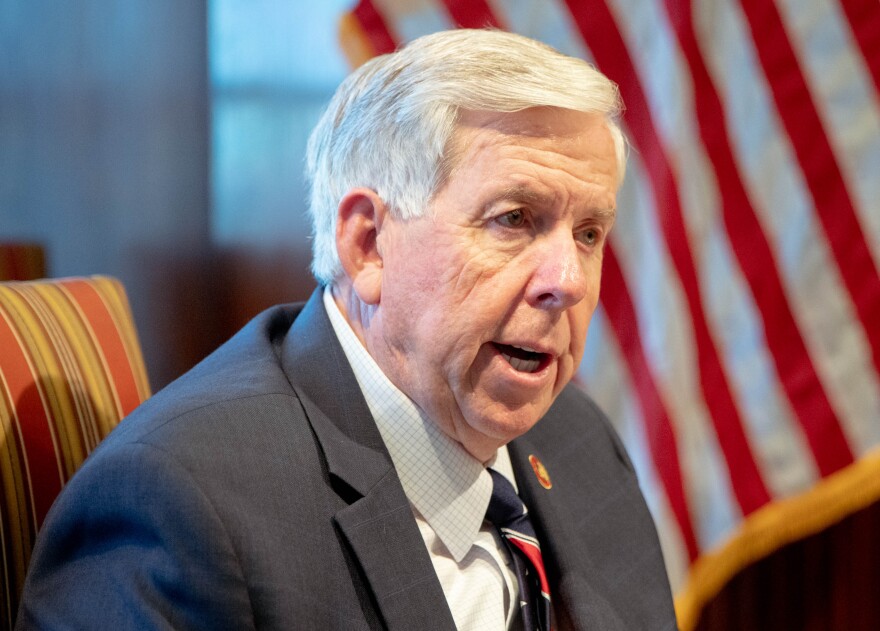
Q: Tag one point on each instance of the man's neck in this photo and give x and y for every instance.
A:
(356, 313)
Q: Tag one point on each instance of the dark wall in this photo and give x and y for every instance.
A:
(104, 156)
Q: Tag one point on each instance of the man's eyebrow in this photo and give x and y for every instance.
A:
(519, 195)
(531, 197)
(526, 195)
(604, 213)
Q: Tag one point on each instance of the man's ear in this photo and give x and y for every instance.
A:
(360, 216)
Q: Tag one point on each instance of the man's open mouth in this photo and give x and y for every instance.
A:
(522, 359)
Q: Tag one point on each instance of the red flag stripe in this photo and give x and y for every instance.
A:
(822, 173)
(471, 13)
(793, 363)
(658, 428)
(864, 19)
(375, 27)
(599, 30)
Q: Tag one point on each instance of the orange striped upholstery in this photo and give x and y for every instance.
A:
(22, 261)
(70, 369)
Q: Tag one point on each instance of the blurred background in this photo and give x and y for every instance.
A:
(737, 344)
(162, 142)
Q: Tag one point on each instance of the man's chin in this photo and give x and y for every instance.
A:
(495, 430)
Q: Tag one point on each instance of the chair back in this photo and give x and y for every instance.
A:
(70, 369)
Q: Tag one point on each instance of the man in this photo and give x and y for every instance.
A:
(331, 466)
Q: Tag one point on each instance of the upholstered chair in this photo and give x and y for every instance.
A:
(70, 369)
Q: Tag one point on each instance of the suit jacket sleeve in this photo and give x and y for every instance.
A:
(135, 544)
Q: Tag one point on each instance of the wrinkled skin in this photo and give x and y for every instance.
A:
(509, 252)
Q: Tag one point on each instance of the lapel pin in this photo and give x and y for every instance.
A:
(540, 472)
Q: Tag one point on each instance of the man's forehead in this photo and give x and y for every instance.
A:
(570, 141)
(540, 127)
(539, 122)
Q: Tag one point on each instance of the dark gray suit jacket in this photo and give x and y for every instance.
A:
(256, 492)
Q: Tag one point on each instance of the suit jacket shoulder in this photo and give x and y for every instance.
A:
(231, 500)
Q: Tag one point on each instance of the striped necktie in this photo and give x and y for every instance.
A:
(510, 516)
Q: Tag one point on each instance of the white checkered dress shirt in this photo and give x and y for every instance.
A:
(448, 490)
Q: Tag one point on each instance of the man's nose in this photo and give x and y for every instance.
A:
(559, 279)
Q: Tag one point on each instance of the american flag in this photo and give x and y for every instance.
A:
(737, 343)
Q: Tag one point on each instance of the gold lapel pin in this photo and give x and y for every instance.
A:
(540, 472)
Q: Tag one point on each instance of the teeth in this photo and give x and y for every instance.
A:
(522, 365)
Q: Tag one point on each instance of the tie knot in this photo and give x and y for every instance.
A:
(505, 507)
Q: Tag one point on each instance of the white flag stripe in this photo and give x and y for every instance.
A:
(604, 372)
(671, 355)
(671, 542)
(733, 319)
(780, 198)
(547, 21)
(411, 18)
(661, 69)
(778, 440)
(846, 99)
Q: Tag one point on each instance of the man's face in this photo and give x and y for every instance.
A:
(486, 299)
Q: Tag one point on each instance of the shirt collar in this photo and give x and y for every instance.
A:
(444, 483)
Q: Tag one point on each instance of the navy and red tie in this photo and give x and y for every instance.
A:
(511, 517)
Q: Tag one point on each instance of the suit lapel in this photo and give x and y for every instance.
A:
(381, 531)
(378, 523)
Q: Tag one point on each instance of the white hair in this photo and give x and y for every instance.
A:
(390, 124)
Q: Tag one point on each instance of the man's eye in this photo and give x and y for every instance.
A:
(513, 219)
(589, 236)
